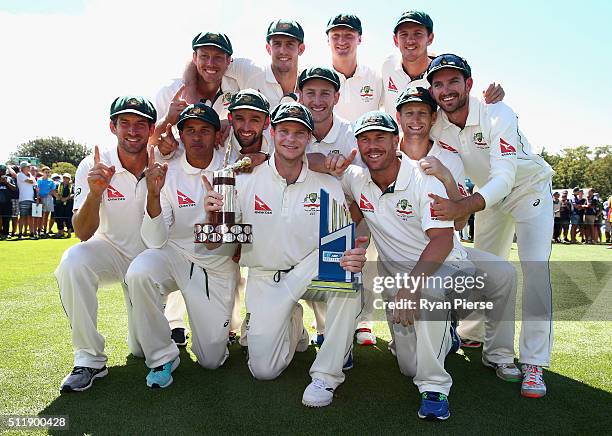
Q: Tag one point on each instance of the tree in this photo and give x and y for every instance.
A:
(571, 169)
(599, 172)
(53, 149)
(63, 167)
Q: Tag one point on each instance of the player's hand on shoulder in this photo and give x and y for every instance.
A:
(433, 167)
(155, 174)
(256, 160)
(100, 175)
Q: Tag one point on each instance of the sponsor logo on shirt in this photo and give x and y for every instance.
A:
(261, 206)
(183, 200)
(479, 141)
(506, 149)
(365, 205)
(403, 209)
(445, 146)
(113, 195)
(311, 203)
(432, 212)
(367, 93)
(391, 86)
(462, 190)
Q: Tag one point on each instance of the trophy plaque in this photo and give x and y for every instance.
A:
(336, 235)
(222, 227)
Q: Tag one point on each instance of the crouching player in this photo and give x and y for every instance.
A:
(392, 193)
(206, 278)
(283, 259)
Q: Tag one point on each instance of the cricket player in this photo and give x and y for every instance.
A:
(320, 92)
(283, 259)
(412, 35)
(416, 114)
(412, 240)
(514, 196)
(110, 193)
(360, 86)
(277, 80)
(206, 278)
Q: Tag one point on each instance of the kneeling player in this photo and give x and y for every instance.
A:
(277, 200)
(206, 278)
(411, 240)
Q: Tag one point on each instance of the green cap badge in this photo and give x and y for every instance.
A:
(249, 99)
(375, 120)
(292, 112)
(201, 112)
(323, 73)
(344, 20)
(219, 40)
(287, 28)
(416, 95)
(414, 17)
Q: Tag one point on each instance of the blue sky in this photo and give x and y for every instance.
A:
(68, 59)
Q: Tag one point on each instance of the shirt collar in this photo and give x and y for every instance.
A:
(473, 118)
(270, 78)
(400, 68)
(333, 134)
(301, 177)
(403, 176)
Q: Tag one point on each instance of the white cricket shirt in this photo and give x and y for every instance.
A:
(359, 94)
(395, 80)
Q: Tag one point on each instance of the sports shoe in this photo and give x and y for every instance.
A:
(318, 394)
(318, 339)
(506, 371)
(81, 378)
(364, 336)
(161, 377)
(179, 336)
(468, 343)
(455, 338)
(434, 406)
(348, 363)
(533, 382)
(232, 337)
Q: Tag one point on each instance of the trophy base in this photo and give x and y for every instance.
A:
(223, 233)
(333, 286)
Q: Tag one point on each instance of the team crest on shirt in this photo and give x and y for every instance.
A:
(184, 200)
(365, 205)
(367, 93)
(505, 148)
(261, 207)
(479, 141)
(391, 85)
(113, 195)
(227, 98)
(403, 209)
(311, 203)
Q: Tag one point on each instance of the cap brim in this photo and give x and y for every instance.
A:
(180, 123)
(342, 25)
(133, 111)
(374, 127)
(210, 44)
(297, 120)
(336, 85)
(407, 20)
(416, 100)
(441, 67)
(245, 106)
(284, 34)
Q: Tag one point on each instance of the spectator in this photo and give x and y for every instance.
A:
(12, 172)
(26, 184)
(578, 206)
(590, 212)
(565, 215)
(6, 205)
(46, 195)
(63, 211)
(56, 181)
(557, 212)
(598, 206)
(608, 218)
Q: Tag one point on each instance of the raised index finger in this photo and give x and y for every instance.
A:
(151, 157)
(179, 93)
(207, 184)
(350, 158)
(96, 155)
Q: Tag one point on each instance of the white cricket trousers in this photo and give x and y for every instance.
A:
(421, 348)
(274, 326)
(209, 298)
(494, 233)
(83, 268)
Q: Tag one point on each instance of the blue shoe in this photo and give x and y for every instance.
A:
(348, 364)
(434, 406)
(455, 338)
(161, 377)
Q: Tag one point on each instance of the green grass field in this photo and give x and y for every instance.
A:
(35, 354)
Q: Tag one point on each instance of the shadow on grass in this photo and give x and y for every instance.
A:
(375, 398)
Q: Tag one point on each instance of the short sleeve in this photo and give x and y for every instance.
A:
(429, 220)
(81, 187)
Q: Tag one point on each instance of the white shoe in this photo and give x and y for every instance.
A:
(506, 371)
(318, 394)
(364, 336)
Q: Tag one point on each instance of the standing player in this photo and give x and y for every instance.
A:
(206, 278)
(360, 86)
(277, 200)
(411, 239)
(109, 200)
(412, 35)
(513, 196)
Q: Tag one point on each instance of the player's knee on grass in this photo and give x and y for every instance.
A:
(265, 369)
